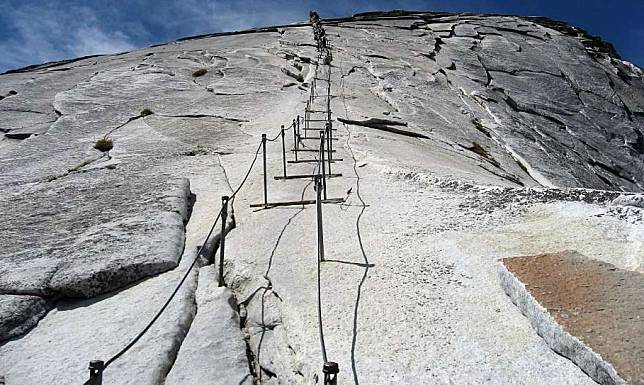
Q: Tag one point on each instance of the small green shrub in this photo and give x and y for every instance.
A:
(298, 77)
(522, 166)
(199, 72)
(104, 144)
(199, 150)
(479, 150)
(479, 126)
(146, 112)
(298, 66)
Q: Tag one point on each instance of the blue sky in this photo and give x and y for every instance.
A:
(35, 31)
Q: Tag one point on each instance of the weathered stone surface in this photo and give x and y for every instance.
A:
(540, 106)
(19, 313)
(630, 200)
(59, 349)
(58, 240)
(213, 351)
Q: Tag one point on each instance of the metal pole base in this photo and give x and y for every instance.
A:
(330, 370)
(96, 372)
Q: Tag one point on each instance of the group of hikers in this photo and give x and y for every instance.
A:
(320, 37)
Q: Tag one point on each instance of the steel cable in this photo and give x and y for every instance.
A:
(318, 185)
(185, 276)
(193, 263)
(359, 235)
(167, 302)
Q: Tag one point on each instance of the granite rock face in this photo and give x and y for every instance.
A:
(19, 314)
(212, 355)
(62, 241)
(469, 138)
(547, 105)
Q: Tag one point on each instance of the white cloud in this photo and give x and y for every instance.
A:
(90, 40)
(47, 32)
(44, 30)
(221, 15)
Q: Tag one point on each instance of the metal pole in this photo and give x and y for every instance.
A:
(306, 120)
(264, 157)
(298, 135)
(298, 125)
(322, 162)
(328, 146)
(295, 135)
(283, 152)
(328, 107)
(222, 240)
(330, 140)
(318, 206)
(328, 98)
(313, 83)
(328, 92)
(96, 368)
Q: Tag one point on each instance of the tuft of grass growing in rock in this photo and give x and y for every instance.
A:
(199, 150)
(146, 112)
(199, 72)
(479, 150)
(295, 76)
(522, 166)
(298, 66)
(104, 144)
(479, 126)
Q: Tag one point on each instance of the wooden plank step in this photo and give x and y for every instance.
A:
(296, 203)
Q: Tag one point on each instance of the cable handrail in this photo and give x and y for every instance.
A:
(184, 277)
(330, 368)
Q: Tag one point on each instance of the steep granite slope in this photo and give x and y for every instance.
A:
(462, 139)
(564, 112)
